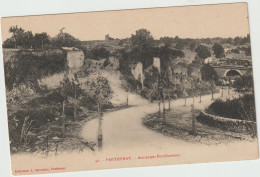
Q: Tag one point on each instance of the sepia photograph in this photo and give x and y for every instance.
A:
(129, 88)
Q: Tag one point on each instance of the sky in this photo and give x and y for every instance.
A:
(223, 20)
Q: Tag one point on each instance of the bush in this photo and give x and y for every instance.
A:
(208, 73)
(242, 126)
(106, 63)
(241, 108)
(203, 52)
(218, 50)
(244, 84)
(27, 67)
(98, 53)
(235, 51)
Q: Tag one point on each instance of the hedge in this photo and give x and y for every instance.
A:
(229, 124)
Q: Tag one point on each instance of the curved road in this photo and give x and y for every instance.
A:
(123, 133)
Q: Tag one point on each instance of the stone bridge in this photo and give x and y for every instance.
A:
(232, 70)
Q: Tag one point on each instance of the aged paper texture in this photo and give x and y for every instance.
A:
(129, 88)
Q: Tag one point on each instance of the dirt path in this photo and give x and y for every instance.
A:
(123, 132)
(124, 135)
(124, 128)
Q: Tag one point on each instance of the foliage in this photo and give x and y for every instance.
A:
(203, 52)
(27, 68)
(245, 127)
(248, 51)
(235, 51)
(28, 38)
(18, 94)
(244, 84)
(166, 54)
(19, 38)
(203, 87)
(208, 73)
(40, 40)
(99, 52)
(66, 86)
(65, 40)
(241, 40)
(194, 85)
(17, 35)
(167, 41)
(240, 108)
(124, 61)
(218, 50)
(100, 90)
(192, 46)
(25, 39)
(38, 111)
(142, 40)
(141, 47)
(180, 45)
(8, 43)
(193, 69)
(206, 41)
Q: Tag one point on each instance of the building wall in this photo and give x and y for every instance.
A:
(75, 58)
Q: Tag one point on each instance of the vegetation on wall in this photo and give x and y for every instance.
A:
(27, 67)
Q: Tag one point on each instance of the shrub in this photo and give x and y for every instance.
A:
(235, 51)
(241, 108)
(208, 73)
(244, 84)
(27, 67)
(98, 52)
(247, 127)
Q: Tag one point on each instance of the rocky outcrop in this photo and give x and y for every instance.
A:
(137, 72)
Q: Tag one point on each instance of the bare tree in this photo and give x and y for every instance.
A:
(66, 90)
(100, 91)
(77, 91)
(25, 129)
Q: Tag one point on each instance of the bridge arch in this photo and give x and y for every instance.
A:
(232, 72)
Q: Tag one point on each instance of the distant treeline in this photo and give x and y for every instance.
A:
(26, 39)
(193, 43)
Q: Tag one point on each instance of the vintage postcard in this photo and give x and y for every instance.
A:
(129, 88)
